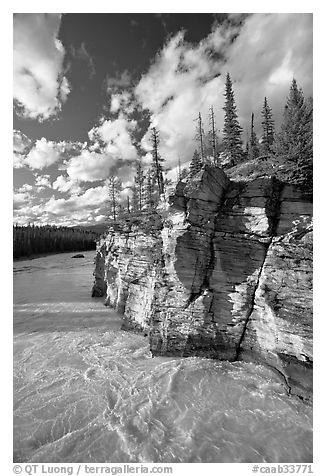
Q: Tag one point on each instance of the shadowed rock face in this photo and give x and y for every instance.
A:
(226, 275)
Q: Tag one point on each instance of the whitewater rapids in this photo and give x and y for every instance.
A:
(85, 391)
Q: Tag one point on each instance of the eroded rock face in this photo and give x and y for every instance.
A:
(280, 326)
(225, 273)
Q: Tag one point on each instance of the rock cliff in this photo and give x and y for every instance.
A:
(223, 270)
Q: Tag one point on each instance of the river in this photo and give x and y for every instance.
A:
(85, 391)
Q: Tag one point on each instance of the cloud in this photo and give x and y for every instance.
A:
(18, 161)
(262, 52)
(21, 144)
(89, 166)
(25, 188)
(92, 198)
(40, 87)
(44, 153)
(21, 197)
(122, 101)
(111, 145)
(84, 208)
(42, 182)
(122, 80)
(116, 136)
(82, 54)
(65, 184)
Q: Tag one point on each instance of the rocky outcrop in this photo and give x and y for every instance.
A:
(224, 272)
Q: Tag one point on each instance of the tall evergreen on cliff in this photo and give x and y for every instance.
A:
(253, 149)
(212, 134)
(195, 164)
(200, 136)
(139, 186)
(149, 188)
(114, 186)
(157, 161)
(232, 130)
(294, 143)
(268, 128)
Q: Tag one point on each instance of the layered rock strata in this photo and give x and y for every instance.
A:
(223, 271)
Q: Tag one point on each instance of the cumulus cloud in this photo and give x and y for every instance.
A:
(122, 101)
(65, 184)
(111, 144)
(21, 197)
(21, 144)
(87, 202)
(25, 188)
(116, 135)
(44, 153)
(42, 182)
(89, 166)
(18, 161)
(39, 84)
(73, 210)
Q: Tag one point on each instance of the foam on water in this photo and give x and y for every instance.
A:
(85, 391)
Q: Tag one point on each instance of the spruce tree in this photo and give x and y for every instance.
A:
(158, 161)
(200, 136)
(184, 173)
(195, 164)
(232, 130)
(114, 186)
(135, 199)
(253, 150)
(149, 188)
(294, 143)
(268, 128)
(212, 134)
(139, 185)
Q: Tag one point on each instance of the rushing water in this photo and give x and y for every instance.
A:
(85, 391)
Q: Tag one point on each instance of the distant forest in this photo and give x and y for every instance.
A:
(31, 240)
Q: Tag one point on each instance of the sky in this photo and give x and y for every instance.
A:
(88, 87)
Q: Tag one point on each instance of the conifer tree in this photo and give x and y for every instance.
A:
(139, 185)
(158, 161)
(114, 186)
(149, 188)
(200, 136)
(128, 204)
(268, 128)
(294, 143)
(184, 173)
(253, 150)
(195, 164)
(134, 199)
(232, 130)
(212, 134)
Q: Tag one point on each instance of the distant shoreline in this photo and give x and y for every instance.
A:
(43, 255)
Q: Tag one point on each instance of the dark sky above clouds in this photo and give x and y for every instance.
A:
(87, 87)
